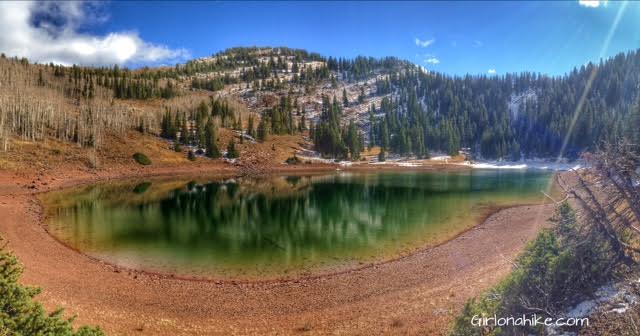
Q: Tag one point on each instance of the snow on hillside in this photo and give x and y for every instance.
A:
(528, 164)
(518, 100)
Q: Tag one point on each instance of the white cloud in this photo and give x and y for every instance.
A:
(428, 58)
(491, 71)
(592, 3)
(424, 43)
(50, 32)
(432, 60)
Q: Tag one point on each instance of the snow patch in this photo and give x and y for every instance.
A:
(518, 100)
(540, 165)
(497, 166)
(408, 164)
(611, 298)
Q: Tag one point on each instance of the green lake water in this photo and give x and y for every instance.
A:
(279, 226)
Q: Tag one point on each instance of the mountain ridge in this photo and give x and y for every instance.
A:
(340, 105)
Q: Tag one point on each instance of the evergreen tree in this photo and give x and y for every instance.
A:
(251, 130)
(211, 147)
(200, 135)
(202, 110)
(263, 130)
(232, 152)
(353, 141)
(22, 314)
(361, 96)
(191, 155)
(327, 136)
(372, 126)
(384, 135)
(302, 125)
(238, 124)
(634, 127)
(168, 127)
(185, 136)
(382, 157)
(419, 148)
(345, 98)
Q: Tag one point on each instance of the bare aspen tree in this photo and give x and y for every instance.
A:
(66, 104)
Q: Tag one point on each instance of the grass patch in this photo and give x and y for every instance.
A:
(142, 159)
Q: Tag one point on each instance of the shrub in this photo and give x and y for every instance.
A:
(142, 159)
(191, 156)
(294, 160)
(177, 147)
(381, 156)
(232, 151)
(21, 315)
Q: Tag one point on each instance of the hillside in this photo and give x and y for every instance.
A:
(248, 111)
(266, 100)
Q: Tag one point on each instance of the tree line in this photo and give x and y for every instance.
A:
(330, 138)
(198, 127)
(513, 116)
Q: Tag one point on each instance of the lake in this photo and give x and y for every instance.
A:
(279, 226)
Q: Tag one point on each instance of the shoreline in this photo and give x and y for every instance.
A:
(359, 285)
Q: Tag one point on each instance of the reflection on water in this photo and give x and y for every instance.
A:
(269, 226)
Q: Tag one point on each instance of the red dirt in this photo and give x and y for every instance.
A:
(417, 294)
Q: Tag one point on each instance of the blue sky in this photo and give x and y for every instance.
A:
(450, 37)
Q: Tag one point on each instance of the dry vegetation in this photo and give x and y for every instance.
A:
(594, 242)
(35, 105)
(51, 115)
(50, 112)
(609, 196)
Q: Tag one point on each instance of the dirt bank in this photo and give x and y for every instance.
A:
(418, 294)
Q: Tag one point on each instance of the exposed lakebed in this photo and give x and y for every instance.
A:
(280, 226)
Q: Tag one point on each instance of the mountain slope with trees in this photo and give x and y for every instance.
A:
(340, 105)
